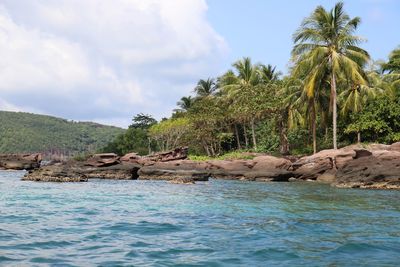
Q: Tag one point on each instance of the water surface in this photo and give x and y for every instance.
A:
(215, 223)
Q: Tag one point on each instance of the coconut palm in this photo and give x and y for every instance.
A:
(244, 90)
(205, 88)
(268, 73)
(325, 45)
(392, 68)
(185, 103)
(393, 65)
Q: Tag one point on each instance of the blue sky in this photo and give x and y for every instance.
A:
(107, 60)
(262, 29)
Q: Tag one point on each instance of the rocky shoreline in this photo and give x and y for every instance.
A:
(374, 166)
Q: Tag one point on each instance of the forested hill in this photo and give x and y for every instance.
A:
(25, 132)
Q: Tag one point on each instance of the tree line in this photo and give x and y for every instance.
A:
(333, 95)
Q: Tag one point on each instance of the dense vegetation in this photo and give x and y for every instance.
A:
(333, 95)
(24, 132)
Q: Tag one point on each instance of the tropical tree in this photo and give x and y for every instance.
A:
(325, 45)
(184, 104)
(393, 65)
(392, 68)
(205, 87)
(242, 88)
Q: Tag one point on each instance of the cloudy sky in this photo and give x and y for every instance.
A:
(106, 60)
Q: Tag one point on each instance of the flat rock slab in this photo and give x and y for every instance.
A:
(78, 172)
(20, 161)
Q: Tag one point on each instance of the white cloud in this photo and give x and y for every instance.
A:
(104, 60)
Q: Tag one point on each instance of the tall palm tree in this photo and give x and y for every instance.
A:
(243, 91)
(325, 44)
(205, 88)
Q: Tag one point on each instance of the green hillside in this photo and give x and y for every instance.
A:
(25, 132)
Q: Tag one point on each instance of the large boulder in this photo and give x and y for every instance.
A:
(378, 169)
(20, 161)
(311, 167)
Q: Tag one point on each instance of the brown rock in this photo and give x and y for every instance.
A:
(381, 169)
(311, 167)
(20, 161)
(79, 172)
(130, 157)
(103, 160)
(175, 169)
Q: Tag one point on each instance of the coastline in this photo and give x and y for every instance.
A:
(373, 166)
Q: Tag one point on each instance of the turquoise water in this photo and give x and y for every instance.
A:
(216, 223)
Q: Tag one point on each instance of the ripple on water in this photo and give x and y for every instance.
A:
(218, 223)
(143, 228)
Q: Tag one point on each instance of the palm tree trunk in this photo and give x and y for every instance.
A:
(358, 137)
(314, 128)
(246, 141)
(237, 136)
(334, 110)
(253, 133)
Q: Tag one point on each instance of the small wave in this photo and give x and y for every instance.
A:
(144, 228)
(42, 245)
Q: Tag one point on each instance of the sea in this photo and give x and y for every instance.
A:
(214, 223)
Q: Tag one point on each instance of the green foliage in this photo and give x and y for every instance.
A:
(252, 108)
(169, 133)
(379, 121)
(25, 132)
(135, 139)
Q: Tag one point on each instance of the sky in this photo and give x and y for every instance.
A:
(107, 60)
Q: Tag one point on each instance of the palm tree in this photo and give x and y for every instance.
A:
(325, 45)
(205, 88)
(243, 91)
(392, 68)
(268, 73)
(393, 65)
(185, 103)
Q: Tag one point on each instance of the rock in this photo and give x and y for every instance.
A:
(20, 161)
(379, 170)
(131, 157)
(269, 175)
(175, 154)
(182, 181)
(175, 170)
(394, 147)
(54, 173)
(310, 167)
(80, 172)
(270, 162)
(230, 169)
(103, 160)
(361, 153)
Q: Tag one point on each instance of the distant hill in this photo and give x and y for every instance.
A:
(25, 132)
